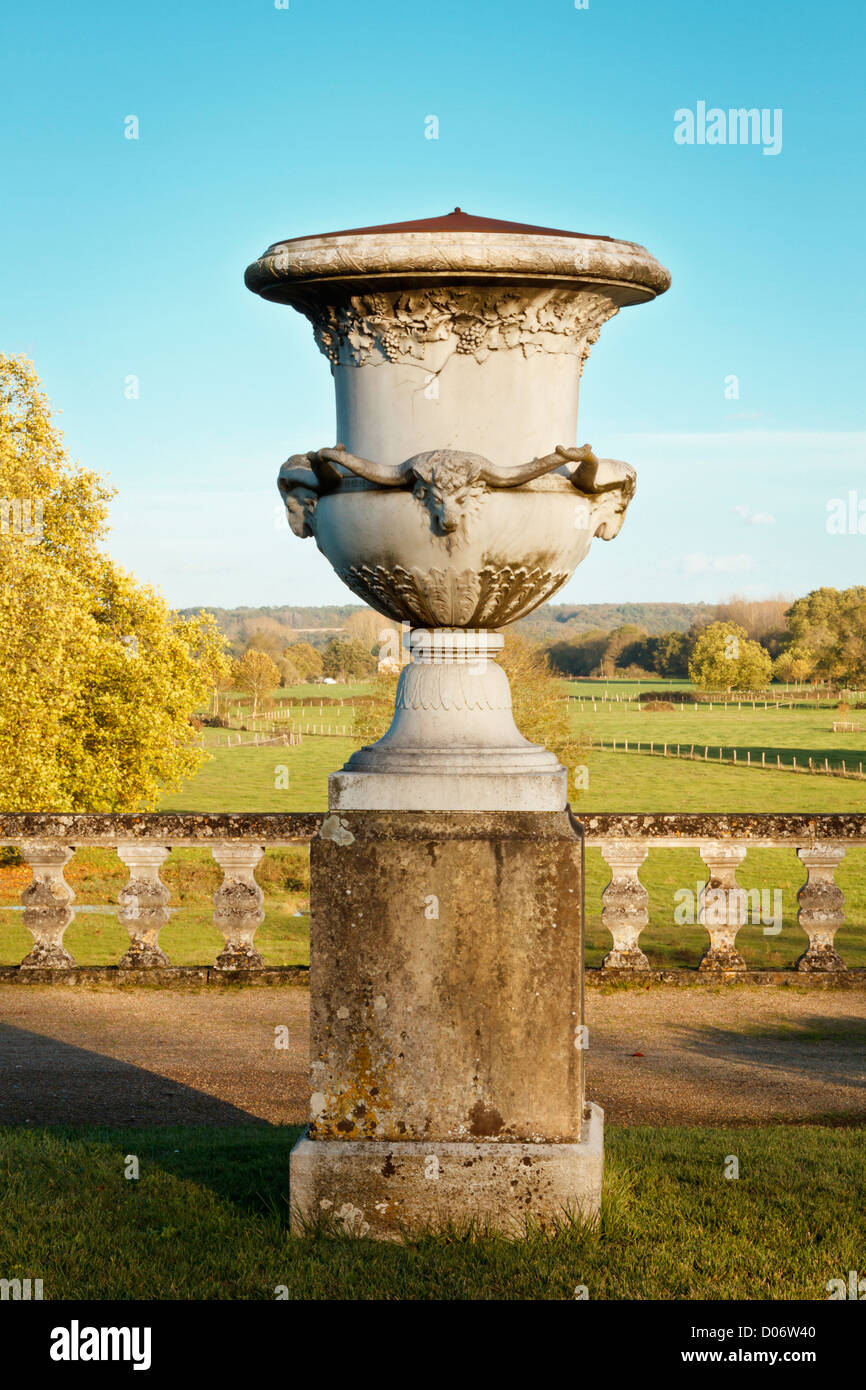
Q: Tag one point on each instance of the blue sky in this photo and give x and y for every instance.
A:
(121, 257)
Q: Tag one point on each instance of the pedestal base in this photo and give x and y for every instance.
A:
(431, 789)
(380, 1189)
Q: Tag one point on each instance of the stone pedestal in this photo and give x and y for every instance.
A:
(447, 1031)
(447, 950)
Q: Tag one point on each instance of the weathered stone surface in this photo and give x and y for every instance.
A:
(625, 904)
(822, 907)
(143, 903)
(166, 827)
(446, 980)
(722, 908)
(298, 827)
(46, 902)
(759, 828)
(378, 1189)
(238, 906)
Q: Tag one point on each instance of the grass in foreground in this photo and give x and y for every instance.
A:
(208, 1216)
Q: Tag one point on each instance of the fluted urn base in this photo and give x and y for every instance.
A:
(453, 744)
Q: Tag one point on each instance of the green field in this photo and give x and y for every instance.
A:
(252, 779)
(207, 1219)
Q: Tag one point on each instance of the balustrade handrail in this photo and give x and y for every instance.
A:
(189, 828)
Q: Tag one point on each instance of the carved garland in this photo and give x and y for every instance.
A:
(398, 326)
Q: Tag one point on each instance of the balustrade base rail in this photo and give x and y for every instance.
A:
(163, 977)
(599, 978)
(197, 977)
(238, 841)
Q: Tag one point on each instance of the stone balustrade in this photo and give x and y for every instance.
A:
(723, 842)
(143, 842)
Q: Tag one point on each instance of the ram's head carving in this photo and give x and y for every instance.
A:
(450, 483)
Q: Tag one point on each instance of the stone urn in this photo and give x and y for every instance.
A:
(456, 500)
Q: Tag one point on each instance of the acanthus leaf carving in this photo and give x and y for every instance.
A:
(489, 597)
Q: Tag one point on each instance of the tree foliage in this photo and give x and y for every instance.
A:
(829, 626)
(540, 707)
(305, 660)
(98, 677)
(367, 626)
(725, 658)
(258, 675)
(347, 660)
(794, 665)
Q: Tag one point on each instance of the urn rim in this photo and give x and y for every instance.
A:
(455, 249)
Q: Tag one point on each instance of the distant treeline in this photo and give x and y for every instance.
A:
(632, 649)
(562, 621)
(282, 623)
(820, 636)
(552, 622)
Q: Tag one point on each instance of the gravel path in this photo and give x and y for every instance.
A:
(140, 1057)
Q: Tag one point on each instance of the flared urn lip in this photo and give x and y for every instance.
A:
(458, 248)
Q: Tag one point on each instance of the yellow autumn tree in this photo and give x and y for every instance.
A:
(257, 674)
(98, 676)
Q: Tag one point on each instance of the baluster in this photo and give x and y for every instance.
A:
(822, 907)
(46, 901)
(143, 904)
(238, 905)
(624, 904)
(723, 906)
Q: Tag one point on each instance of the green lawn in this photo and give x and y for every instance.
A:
(207, 1219)
(800, 733)
(253, 779)
(638, 782)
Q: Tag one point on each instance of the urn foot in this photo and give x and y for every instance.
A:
(453, 744)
